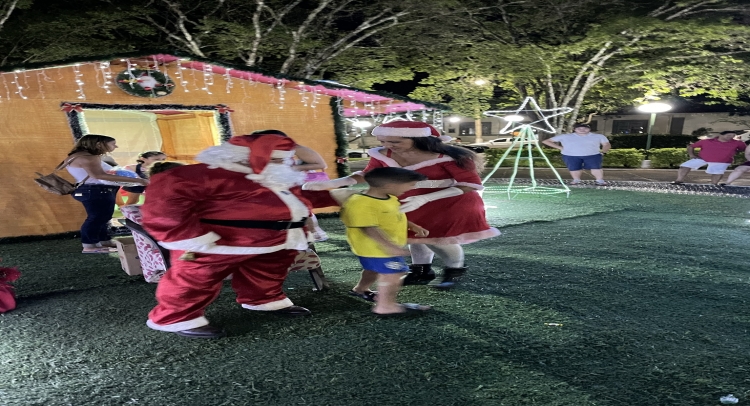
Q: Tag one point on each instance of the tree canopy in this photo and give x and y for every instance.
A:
(594, 56)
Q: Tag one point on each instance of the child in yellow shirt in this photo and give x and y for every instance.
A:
(376, 231)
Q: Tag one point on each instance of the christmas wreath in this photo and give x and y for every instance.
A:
(144, 83)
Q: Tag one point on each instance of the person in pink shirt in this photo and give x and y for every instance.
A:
(717, 153)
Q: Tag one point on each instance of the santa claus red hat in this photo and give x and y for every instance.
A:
(265, 145)
(410, 129)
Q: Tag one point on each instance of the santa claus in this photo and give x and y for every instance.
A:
(240, 213)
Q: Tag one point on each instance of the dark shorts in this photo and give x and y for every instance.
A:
(746, 164)
(134, 189)
(384, 265)
(576, 163)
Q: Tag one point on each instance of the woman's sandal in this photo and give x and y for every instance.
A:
(367, 295)
(410, 309)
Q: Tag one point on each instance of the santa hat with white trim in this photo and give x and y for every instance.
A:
(409, 129)
(249, 153)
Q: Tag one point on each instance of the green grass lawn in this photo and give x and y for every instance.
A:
(646, 294)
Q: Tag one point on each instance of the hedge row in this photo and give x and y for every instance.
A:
(620, 141)
(661, 158)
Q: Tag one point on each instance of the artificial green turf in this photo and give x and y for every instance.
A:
(646, 295)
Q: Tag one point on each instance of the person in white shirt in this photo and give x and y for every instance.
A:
(581, 149)
(97, 190)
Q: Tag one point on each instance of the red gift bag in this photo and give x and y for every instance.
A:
(7, 294)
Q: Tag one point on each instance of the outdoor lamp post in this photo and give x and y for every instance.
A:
(652, 108)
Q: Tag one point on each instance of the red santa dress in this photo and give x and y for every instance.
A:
(453, 220)
(232, 225)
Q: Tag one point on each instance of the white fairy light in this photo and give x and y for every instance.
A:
(107, 74)
(315, 99)
(228, 80)
(39, 76)
(282, 92)
(26, 80)
(131, 67)
(180, 78)
(79, 82)
(340, 107)
(303, 97)
(19, 88)
(208, 79)
(244, 90)
(7, 89)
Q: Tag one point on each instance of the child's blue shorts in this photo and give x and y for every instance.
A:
(384, 265)
(576, 163)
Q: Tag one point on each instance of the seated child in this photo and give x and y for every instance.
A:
(376, 231)
(161, 166)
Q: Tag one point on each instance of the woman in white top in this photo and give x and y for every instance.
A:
(97, 193)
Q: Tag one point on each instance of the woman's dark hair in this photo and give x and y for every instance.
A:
(94, 144)
(148, 154)
(381, 176)
(159, 167)
(465, 159)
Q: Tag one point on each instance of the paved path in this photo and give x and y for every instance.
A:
(652, 180)
(610, 174)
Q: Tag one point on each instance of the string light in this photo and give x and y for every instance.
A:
(315, 99)
(208, 78)
(107, 73)
(228, 80)
(180, 78)
(39, 76)
(7, 89)
(19, 88)
(304, 98)
(79, 82)
(26, 80)
(244, 91)
(282, 92)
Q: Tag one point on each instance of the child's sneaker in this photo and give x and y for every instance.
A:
(575, 182)
(601, 183)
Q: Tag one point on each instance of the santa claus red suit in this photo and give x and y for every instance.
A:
(240, 213)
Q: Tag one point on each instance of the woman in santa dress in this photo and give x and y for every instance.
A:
(447, 204)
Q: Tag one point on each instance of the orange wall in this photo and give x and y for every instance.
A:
(35, 135)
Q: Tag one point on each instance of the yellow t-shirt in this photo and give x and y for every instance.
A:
(366, 211)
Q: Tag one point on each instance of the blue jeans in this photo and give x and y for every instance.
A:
(99, 202)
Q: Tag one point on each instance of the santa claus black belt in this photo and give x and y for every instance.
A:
(269, 225)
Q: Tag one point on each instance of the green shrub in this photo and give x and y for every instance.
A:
(623, 158)
(620, 141)
(664, 158)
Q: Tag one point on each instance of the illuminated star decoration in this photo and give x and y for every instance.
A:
(545, 115)
(525, 142)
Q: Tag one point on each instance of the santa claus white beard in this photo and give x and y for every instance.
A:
(281, 176)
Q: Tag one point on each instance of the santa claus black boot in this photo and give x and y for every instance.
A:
(419, 275)
(450, 278)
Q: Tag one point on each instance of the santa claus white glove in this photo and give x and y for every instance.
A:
(414, 202)
(329, 184)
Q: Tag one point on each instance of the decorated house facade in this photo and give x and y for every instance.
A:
(174, 104)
